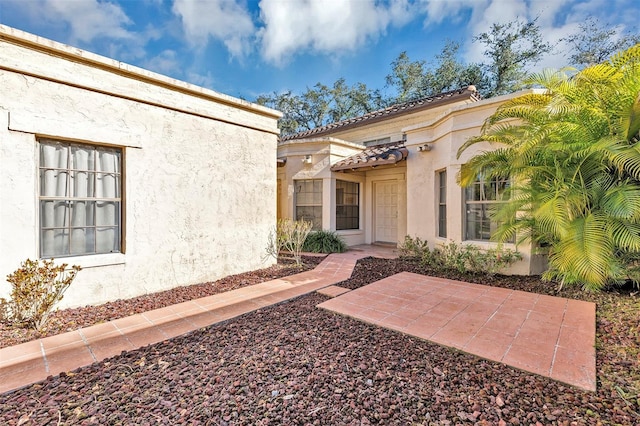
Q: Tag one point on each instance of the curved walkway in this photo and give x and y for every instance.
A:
(393, 303)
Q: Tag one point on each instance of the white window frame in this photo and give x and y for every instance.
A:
(441, 223)
(317, 224)
(113, 255)
(489, 194)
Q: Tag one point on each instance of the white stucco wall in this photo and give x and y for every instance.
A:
(199, 168)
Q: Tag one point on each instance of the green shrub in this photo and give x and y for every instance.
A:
(463, 258)
(288, 236)
(324, 242)
(37, 287)
(413, 248)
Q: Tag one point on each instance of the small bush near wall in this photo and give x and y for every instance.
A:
(413, 248)
(324, 242)
(459, 257)
(288, 236)
(38, 285)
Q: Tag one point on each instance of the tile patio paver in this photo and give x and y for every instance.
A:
(550, 336)
(34, 361)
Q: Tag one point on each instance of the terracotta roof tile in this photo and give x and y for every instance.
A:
(397, 109)
(373, 156)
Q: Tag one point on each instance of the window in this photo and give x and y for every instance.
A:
(347, 205)
(481, 199)
(442, 204)
(308, 195)
(80, 199)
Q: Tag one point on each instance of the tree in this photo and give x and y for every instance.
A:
(288, 104)
(407, 77)
(352, 101)
(321, 105)
(573, 153)
(511, 48)
(593, 44)
(449, 73)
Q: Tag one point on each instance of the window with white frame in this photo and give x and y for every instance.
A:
(442, 203)
(80, 198)
(347, 205)
(308, 199)
(481, 200)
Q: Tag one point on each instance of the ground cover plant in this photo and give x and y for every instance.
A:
(324, 242)
(462, 258)
(293, 363)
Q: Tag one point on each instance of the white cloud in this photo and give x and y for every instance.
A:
(87, 19)
(224, 20)
(166, 62)
(438, 11)
(325, 26)
(557, 19)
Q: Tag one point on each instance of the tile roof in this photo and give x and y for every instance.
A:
(469, 92)
(377, 155)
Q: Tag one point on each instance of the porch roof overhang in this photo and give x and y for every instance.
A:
(374, 156)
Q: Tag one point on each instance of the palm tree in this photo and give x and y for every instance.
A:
(572, 150)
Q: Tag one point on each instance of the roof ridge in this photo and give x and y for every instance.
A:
(388, 111)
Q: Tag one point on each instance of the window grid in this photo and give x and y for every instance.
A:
(347, 205)
(80, 207)
(442, 204)
(481, 200)
(308, 198)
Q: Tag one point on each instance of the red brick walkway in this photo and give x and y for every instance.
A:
(545, 335)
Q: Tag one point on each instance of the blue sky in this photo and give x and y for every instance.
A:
(245, 48)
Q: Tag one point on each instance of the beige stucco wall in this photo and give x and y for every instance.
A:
(445, 135)
(445, 128)
(199, 168)
(324, 152)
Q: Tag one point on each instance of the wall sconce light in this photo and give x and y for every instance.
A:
(424, 148)
(306, 159)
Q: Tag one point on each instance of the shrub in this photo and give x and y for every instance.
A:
(324, 242)
(461, 258)
(288, 236)
(37, 287)
(413, 248)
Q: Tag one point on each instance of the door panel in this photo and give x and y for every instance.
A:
(386, 212)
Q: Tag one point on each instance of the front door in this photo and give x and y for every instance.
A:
(386, 212)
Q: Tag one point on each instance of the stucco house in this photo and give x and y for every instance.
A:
(146, 182)
(392, 172)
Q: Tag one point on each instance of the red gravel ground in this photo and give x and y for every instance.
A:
(73, 319)
(295, 364)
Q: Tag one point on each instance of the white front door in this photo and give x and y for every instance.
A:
(386, 212)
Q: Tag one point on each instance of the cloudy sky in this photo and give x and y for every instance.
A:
(245, 48)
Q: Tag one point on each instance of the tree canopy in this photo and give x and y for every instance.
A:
(595, 43)
(510, 50)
